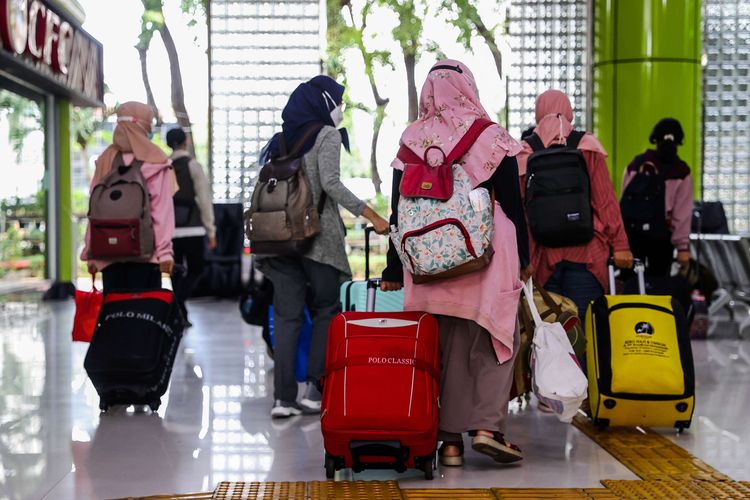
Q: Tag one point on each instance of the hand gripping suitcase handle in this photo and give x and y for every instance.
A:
(638, 267)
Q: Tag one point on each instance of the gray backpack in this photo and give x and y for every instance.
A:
(120, 225)
(282, 219)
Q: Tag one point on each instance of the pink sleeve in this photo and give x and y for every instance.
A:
(682, 214)
(162, 214)
(604, 201)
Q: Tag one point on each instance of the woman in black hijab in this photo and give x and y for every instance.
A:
(313, 278)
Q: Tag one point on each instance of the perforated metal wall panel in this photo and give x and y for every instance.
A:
(260, 51)
(549, 46)
(726, 135)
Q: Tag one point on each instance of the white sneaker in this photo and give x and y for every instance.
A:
(282, 409)
(311, 401)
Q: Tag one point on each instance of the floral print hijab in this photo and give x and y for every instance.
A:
(448, 106)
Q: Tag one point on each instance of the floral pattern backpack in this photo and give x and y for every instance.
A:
(444, 228)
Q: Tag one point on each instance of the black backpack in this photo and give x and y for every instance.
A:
(642, 204)
(558, 193)
(186, 213)
(709, 217)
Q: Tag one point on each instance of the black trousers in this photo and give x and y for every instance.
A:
(131, 276)
(188, 252)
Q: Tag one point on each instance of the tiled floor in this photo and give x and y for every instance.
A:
(214, 423)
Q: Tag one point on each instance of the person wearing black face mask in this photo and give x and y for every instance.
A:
(657, 201)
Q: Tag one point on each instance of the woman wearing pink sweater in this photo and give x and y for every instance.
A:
(658, 251)
(131, 139)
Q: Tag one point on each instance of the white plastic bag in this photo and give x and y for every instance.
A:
(556, 377)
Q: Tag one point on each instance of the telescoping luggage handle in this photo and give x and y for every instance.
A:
(640, 270)
(372, 284)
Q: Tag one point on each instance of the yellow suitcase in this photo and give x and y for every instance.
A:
(639, 360)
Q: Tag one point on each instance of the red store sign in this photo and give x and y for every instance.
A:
(33, 32)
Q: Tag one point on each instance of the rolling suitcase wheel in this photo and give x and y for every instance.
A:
(428, 466)
(103, 406)
(154, 405)
(330, 465)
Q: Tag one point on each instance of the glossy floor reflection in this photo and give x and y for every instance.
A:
(214, 423)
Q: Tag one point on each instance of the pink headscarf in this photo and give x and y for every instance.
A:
(131, 136)
(448, 106)
(554, 122)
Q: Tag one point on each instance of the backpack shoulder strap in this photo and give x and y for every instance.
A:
(535, 142)
(406, 155)
(468, 140)
(574, 138)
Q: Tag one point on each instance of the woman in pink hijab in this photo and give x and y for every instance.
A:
(476, 312)
(578, 272)
(131, 138)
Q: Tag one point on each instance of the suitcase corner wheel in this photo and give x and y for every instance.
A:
(681, 425)
(426, 465)
(332, 464)
(601, 423)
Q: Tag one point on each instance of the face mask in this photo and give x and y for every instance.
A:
(337, 115)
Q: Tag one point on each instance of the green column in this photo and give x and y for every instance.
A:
(646, 66)
(65, 206)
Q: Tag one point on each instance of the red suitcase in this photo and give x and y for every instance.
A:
(380, 395)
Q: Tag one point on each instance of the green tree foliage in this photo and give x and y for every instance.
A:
(23, 115)
(408, 34)
(153, 21)
(355, 35)
(469, 22)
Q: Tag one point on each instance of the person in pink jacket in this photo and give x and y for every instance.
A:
(131, 138)
(476, 312)
(658, 251)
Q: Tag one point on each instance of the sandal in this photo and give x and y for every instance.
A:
(451, 460)
(497, 447)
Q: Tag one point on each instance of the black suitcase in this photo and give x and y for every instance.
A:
(132, 352)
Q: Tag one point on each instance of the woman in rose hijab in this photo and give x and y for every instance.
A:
(476, 312)
(131, 138)
(578, 272)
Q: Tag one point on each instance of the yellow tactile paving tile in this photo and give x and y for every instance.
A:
(350, 490)
(314, 490)
(671, 489)
(550, 493)
(260, 491)
(182, 496)
(649, 454)
(441, 494)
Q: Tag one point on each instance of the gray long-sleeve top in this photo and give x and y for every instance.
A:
(322, 166)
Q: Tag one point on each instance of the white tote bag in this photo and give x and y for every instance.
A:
(556, 377)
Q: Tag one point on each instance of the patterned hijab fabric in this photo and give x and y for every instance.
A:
(449, 105)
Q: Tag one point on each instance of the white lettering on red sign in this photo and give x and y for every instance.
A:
(32, 30)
